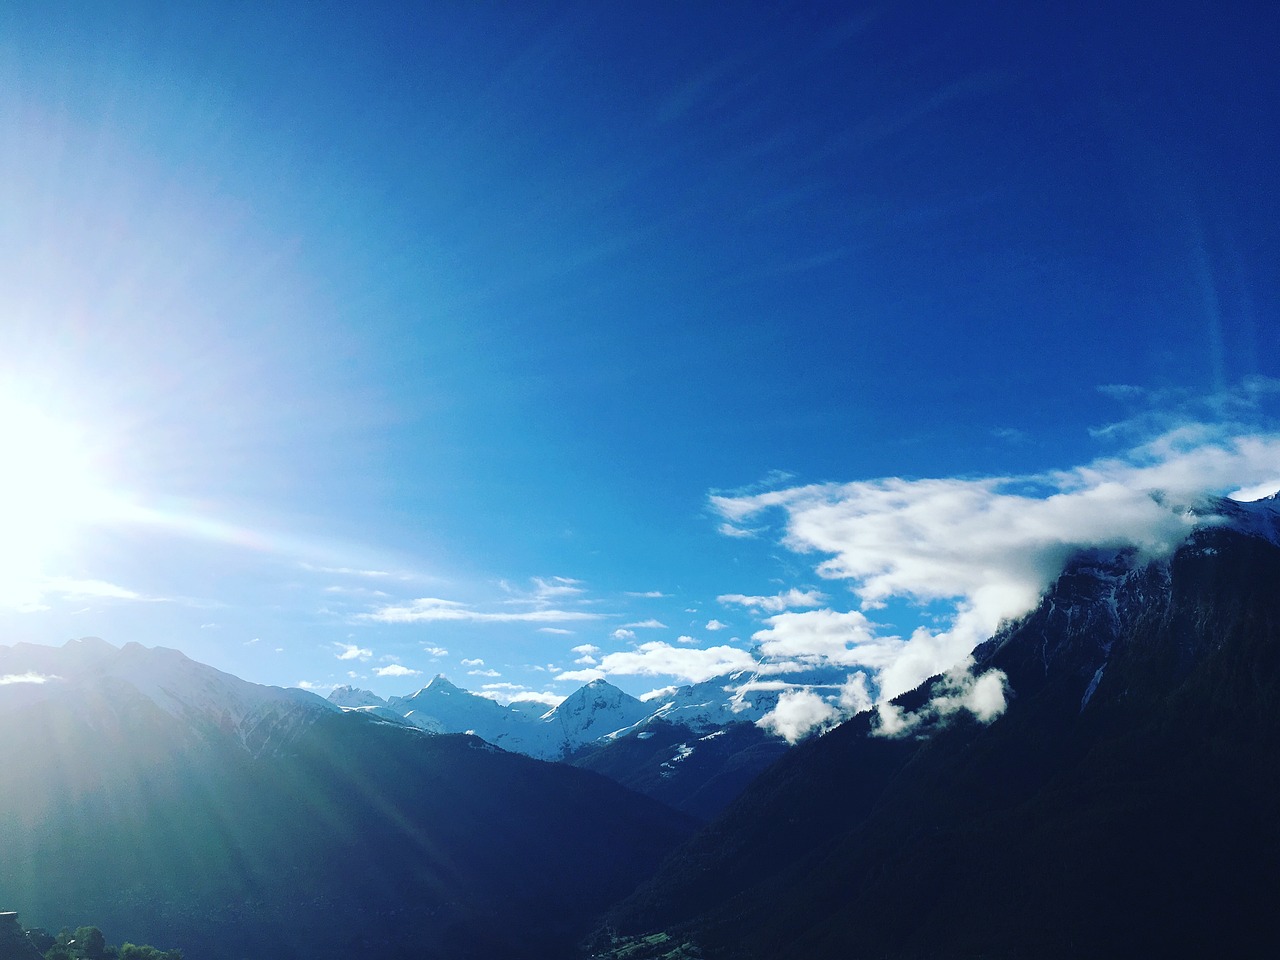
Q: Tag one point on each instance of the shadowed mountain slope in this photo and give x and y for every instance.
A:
(1124, 805)
(349, 836)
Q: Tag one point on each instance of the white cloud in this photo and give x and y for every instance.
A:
(435, 610)
(729, 530)
(313, 687)
(558, 631)
(855, 695)
(29, 595)
(798, 713)
(350, 651)
(548, 588)
(816, 637)
(656, 658)
(715, 625)
(777, 603)
(959, 690)
(476, 662)
(685, 638)
(396, 670)
(518, 693)
(986, 548)
(650, 624)
(657, 694)
(354, 572)
(483, 673)
(621, 634)
(588, 653)
(436, 652)
(647, 594)
(581, 676)
(28, 677)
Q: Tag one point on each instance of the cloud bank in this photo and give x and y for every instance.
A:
(956, 556)
(985, 549)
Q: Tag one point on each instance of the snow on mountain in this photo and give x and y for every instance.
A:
(349, 696)
(444, 707)
(596, 710)
(1256, 518)
(533, 709)
(208, 701)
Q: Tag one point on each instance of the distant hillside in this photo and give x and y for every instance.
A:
(268, 824)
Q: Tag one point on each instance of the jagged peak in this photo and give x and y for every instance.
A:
(442, 684)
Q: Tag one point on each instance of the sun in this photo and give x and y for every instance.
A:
(48, 490)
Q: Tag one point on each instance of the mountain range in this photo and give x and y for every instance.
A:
(596, 713)
(1098, 779)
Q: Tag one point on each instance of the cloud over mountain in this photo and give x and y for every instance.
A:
(984, 548)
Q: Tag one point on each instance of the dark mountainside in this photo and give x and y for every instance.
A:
(351, 837)
(14, 944)
(1126, 804)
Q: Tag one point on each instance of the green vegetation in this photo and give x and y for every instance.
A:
(88, 943)
(653, 946)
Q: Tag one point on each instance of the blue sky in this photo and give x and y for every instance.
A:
(399, 329)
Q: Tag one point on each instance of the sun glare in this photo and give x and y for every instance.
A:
(47, 490)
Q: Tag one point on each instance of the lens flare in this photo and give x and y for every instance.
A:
(48, 490)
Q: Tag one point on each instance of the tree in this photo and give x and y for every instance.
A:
(41, 939)
(90, 943)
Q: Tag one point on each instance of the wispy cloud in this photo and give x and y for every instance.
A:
(774, 604)
(647, 594)
(435, 610)
(546, 591)
(34, 595)
(650, 624)
(741, 533)
(350, 651)
(366, 573)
